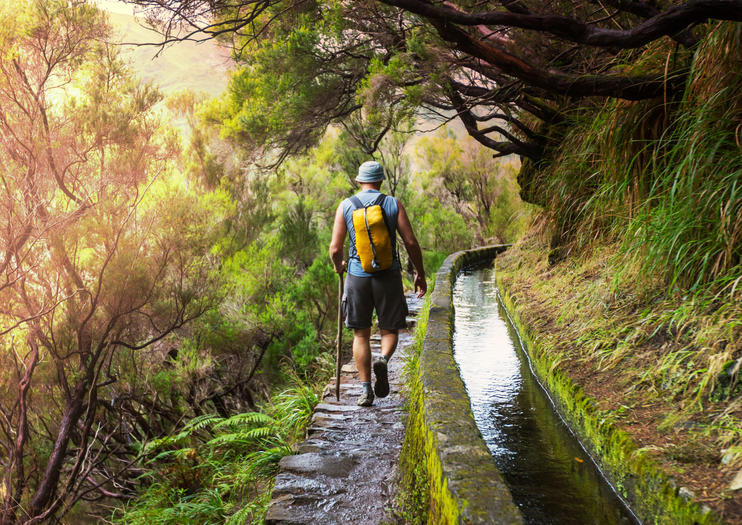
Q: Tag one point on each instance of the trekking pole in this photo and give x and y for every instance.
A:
(340, 335)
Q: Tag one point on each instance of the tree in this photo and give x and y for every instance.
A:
(461, 173)
(502, 68)
(359, 140)
(92, 261)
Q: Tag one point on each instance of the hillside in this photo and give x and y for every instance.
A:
(201, 67)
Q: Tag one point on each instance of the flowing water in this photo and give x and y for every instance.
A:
(551, 478)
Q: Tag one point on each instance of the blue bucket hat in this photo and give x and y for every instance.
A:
(370, 171)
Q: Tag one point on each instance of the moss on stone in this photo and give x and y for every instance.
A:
(462, 483)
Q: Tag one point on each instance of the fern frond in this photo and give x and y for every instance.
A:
(201, 422)
(248, 437)
(254, 418)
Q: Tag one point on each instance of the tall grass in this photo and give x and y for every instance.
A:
(691, 221)
(663, 177)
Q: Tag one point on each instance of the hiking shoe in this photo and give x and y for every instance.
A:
(366, 399)
(381, 387)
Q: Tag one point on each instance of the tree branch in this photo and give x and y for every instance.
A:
(667, 23)
(553, 80)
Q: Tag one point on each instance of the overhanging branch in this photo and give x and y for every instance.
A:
(667, 23)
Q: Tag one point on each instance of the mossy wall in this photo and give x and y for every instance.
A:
(652, 494)
(462, 483)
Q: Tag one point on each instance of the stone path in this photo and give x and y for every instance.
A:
(346, 470)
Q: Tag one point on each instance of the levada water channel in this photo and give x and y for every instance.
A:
(551, 478)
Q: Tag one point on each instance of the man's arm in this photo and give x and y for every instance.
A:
(413, 249)
(339, 229)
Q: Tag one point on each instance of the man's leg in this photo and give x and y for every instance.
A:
(359, 309)
(391, 308)
(362, 357)
(362, 352)
(389, 339)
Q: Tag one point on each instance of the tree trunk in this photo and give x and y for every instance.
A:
(48, 486)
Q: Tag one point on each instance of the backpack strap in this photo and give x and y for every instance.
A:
(357, 204)
(388, 221)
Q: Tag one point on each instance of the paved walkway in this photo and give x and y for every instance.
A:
(346, 470)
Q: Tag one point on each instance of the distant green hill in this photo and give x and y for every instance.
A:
(199, 67)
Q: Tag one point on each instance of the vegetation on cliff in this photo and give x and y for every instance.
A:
(635, 267)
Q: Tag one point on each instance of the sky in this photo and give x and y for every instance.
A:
(115, 6)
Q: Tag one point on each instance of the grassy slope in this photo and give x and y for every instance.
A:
(613, 343)
(640, 304)
(185, 65)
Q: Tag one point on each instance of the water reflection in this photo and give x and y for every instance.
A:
(551, 478)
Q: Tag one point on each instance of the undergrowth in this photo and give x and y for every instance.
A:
(662, 177)
(218, 470)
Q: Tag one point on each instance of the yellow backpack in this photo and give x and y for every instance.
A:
(373, 239)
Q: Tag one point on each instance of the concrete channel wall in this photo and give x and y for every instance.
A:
(464, 483)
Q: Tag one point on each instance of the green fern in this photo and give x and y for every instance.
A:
(249, 437)
(219, 469)
(238, 420)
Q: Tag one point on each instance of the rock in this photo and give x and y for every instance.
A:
(312, 445)
(686, 494)
(328, 416)
(329, 407)
(282, 511)
(345, 389)
(323, 420)
(287, 483)
(736, 483)
(349, 368)
(313, 462)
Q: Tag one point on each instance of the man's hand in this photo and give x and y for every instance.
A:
(342, 268)
(421, 285)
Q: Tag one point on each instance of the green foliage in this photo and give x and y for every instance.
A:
(440, 229)
(468, 197)
(216, 469)
(285, 81)
(108, 255)
(663, 178)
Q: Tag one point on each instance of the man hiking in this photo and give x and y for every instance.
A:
(374, 273)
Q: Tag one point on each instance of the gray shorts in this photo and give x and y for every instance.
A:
(383, 292)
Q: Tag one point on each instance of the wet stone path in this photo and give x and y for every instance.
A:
(346, 470)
